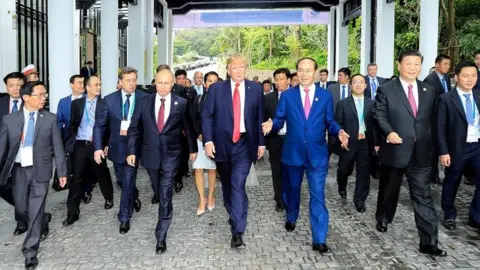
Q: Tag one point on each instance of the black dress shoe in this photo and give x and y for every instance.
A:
(437, 180)
(279, 207)
(108, 204)
(19, 230)
(450, 224)
(230, 222)
(137, 205)
(70, 220)
(31, 263)
(469, 182)
(382, 227)
(290, 226)
(44, 233)
(322, 248)
(473, 223)
(87, 197)
(124, 227)
(361, 208)
(343, 194)
(237, 241)
(433, 251)
(178, 186)
(155, 200)
(48, 216)
(161, 247)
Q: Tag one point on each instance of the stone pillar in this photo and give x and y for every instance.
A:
(341, 52)
(109, 40)
(136, 39)
(76, 41)
(162, 37)
(331, 38)
(429, 10)
(385, 38)
(149, 42)
(8, 40)
(170, 38)
(365, 51)
(61, 56)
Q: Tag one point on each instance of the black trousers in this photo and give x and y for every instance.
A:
(275, 145)
(359, 157)
(164, 181)
(426, 218)
(83, 159)
(183, 168)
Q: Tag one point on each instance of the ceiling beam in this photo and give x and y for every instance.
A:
(291, 4)
(182, 4)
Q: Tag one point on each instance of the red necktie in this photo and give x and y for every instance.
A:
(236, 114)
(411, 100)
(161, 116)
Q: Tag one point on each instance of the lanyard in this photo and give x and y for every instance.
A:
(132, 106)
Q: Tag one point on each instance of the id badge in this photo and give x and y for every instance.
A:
(26, 156)
(124, 127)
(472, 130)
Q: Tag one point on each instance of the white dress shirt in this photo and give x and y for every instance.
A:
(473, 132)
(283, 130)
(241, 92)
(76, 97)
(158, 103)
(311, 94)
(414, 90)
(323, 84)
(20, 158)
(18, 104)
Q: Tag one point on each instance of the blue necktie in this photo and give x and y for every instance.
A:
(374, 87)
(15, 106)
(343, 92)
(468, 109)
(444, 82)
(126, 107)
(30, 131)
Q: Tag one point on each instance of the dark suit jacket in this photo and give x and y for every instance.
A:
(271, 102)
(217, 118)
(328, 84)
(63, 115)
(452, 125)
(334, 89)
(195, 112)
(4, 105)
(392, 113)
(47, 145)
(177, 89)
(110, 118)
(77, 110)
(84, 71)
(477, 86)
(368, 91)
(160, 149)
(434, 81)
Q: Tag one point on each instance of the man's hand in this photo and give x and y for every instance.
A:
(343, 137)
(193, 156)
(200, 137)
(267, 126)
(393, 138)
(377, 148)
(63, 181)
(261, 152)
(105, 151)
(98, 156)
(445, 160)
(131, 160)
(210, 149)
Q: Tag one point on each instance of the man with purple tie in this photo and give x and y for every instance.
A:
(308, 112)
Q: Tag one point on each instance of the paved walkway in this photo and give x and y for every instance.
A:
(204, 243)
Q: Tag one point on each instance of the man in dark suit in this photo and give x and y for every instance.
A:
(373, 81)
(477, 63)
(116, 115)
(159, 120)
(458, 134)
(231, 123)
(354, 115)
(198, 85)
(79, 144)
(87, 70)
(324, 82)
(274, 141)
(441, 83)
(402, 111)
(29, 141)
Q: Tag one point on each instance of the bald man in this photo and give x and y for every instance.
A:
(198, 85)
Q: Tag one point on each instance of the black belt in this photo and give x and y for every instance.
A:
(84, 142)
(243, 134)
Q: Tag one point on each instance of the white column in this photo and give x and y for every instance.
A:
(365, 52)
(76, 41)
(331, 44)
(385, 38)
(170, 38)
(60, 59)
(162, 37)
(109, 45)
(428, 34)
(8, 40)
(149, 42)
(341, 52)
(136, 39)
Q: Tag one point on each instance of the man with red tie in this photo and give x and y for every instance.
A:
(232, 119)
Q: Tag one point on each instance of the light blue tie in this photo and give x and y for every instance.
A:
(30, 131)
(374, 88)
(15, 106)
(469, 109)
(444, 83)
(91, 114)
(344, 95)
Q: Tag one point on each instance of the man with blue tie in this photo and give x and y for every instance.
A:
(232, 119)
(64, 105)
(373, 81)
(458, 134)
(115, 115)
(308, 112)
(323, 76)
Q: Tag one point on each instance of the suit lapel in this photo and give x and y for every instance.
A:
(173, 109)
(476, 97)
(152, 112)
(336, 93)
(228, 97)
(120, 103)
(298, 101)
(247, 101)
(38, 124)
(81, 108)
(20, 120)
(315, 104)
(398, 89)
(351, 103)
(458, 104)
(422, 96)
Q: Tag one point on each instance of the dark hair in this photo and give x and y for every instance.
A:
(346, 71)
(324, 70)
(15, 75)
(356, 75)
(285, 71)
(127, 70)
(372, 65)
(205, 77)
(27, 89)
(74, 77)
(220, 79)
(410, 53)
(266, 82)
(153, 80)
(440, 58)
(462, 65)
(307, 58)
(162, 66)
(180, 72)
(477, 52)
(294, 74)
(89, 62)
(86, 81)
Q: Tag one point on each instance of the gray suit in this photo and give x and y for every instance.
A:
(31, 181)
(336, 93)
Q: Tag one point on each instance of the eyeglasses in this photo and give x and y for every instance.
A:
(41, 95)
